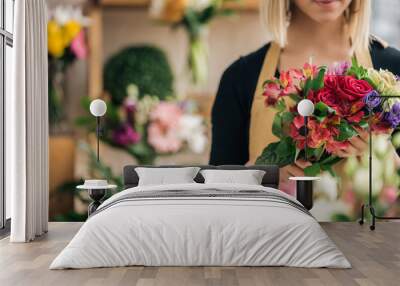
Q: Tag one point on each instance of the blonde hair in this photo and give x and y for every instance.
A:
(275, 17)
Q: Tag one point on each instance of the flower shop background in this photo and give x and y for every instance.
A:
(115, 34)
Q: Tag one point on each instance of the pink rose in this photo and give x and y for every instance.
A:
(78, 46)
(164, 139)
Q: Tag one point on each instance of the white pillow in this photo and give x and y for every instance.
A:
(248, 177)
(165, 176)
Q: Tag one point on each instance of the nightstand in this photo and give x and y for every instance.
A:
(304, 190)
(96, 193)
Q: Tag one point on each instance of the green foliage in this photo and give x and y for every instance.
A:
(281, 123)
(318, 82)
(340, 217)
(321, 111)
(55, 106)
(346, 131)
(322, 165)
(358, 71)
(280, 153)
(145, 66)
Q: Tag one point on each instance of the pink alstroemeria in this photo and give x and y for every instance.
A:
(272, 91)
(309, 70)
(286, 81)
(78, 46)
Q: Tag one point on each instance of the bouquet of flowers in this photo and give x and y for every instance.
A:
(66, 42)
(147, 127)
(347, 98)
(193, 16)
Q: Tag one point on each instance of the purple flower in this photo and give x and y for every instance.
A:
(372, 99)
(393, 116)
(125, 135)
(339, 68)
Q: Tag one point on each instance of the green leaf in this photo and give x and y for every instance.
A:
(317, 152)
(280, 105)
(340, 217)
(331, 160)
(313, 170)
(363, 124)
(277, 126)
(356, 70)
(346, 131)
(322, 110)
(318, 82)
(280, 153)
(281, 123)
(295, 97)
(307, 87)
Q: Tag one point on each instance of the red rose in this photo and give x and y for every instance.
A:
(344, 94)
(330, 81)
(328, 96)
(350, 88)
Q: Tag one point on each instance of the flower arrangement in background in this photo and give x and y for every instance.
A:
(385, 181)
(147, 127)
(194, 16)
(343, 95)
(66, 43)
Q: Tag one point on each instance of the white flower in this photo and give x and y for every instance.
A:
(190, 124)
(360, 180)
(381, 145)
(64, 13)
(324, 209)
(327, 185)
(198, 143)
(192, 130)
(199, 5)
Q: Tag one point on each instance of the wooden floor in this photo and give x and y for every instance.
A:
(375, 257)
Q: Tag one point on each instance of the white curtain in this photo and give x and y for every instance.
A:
(27, 124)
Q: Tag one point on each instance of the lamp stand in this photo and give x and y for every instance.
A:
(306, 137)
(98, 137)
(370, 205)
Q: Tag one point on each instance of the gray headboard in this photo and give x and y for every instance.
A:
(271, 178)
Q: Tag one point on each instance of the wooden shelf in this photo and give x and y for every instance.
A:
(95, 36)
(246, 5)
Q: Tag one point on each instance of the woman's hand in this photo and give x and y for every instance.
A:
(294, 170)
(358, 145)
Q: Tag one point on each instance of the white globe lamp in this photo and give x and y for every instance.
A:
(305, 107)
(98, 108)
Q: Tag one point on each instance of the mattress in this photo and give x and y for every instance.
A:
(201, 225)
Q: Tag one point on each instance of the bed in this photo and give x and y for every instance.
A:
(201, 224)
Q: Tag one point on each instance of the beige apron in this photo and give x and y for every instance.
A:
(262, 117)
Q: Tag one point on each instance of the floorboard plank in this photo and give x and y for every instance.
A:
(375, 258)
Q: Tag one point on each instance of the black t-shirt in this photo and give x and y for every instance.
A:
(232, 106)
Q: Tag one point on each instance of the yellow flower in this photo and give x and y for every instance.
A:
(71, 29)
(55, 43)
(385, 82)
(168, 10)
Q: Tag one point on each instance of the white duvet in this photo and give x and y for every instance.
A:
(200, 231)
